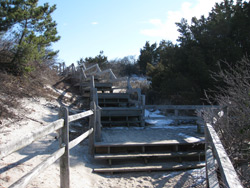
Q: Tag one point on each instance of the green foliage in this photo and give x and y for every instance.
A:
(148, 55)
(32, 28)
(186, 67)
(100, 59)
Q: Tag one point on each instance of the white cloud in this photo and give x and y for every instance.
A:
(94, 23)
(167, 29)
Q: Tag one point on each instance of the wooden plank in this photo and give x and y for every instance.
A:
(113, 95)
(122, 109)
(80, 115)
(92, 124)
(180, 107)
(30, 137)
(98, 124)
(80, 138)
(155, 143)
(211, 170)
(228, 173)
(149, 168)
(174, 118)
(23, 182)
(64, 142)
(120, 122)
(122, 112)
(140, 155)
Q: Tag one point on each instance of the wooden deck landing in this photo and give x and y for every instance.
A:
(148, 136)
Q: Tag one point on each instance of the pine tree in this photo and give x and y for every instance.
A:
(33, 29)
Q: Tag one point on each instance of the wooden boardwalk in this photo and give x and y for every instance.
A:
(140, 135)
(150, 149)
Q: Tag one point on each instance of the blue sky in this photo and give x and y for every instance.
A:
(118, 27)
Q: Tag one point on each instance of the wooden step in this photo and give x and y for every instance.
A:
(113, 95)
(121, 112)
(114, 104)
(142, 155)
(121, 123)
(153, 143)
(156, 167)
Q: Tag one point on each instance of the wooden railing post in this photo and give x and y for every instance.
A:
(92, 124)
(64, 142)
(63, 67)
(92, 86)
(60, 68)
(143, 103)
(98, 124)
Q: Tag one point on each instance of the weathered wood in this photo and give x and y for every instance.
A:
(154, 143)
(111, 74)
(96, 66)
(228, 174)
(174, 118)
(116, 111)
(113, 95)
(80, 115)
(92, 124)
(31, 137)
(180, 107)
(140, 155)
(95, 96)
(211, 170)
(98, 124)
(64, 142)
(24, 181)
(92, 86)
(80, 138)
(150, 168)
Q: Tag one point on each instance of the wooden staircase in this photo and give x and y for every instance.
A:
(119, 110)
(136, 147)
(149, 156)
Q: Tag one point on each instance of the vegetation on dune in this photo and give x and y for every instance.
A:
(26, 34)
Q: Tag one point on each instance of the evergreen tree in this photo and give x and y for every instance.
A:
(149, 55)
(33, 29)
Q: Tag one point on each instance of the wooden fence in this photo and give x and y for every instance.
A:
(61, 124)
(190, 112)
(219, 169)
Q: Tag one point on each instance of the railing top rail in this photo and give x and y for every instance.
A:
(80, 115)
(29, 138)
(227, 171)
(33, 136)
(181, 107)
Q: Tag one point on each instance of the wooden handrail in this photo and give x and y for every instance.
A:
(24, 181)
(229, 176)
(62, 153)
(31, 137)
(80, 138)
(80, 115)
(180, 107)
